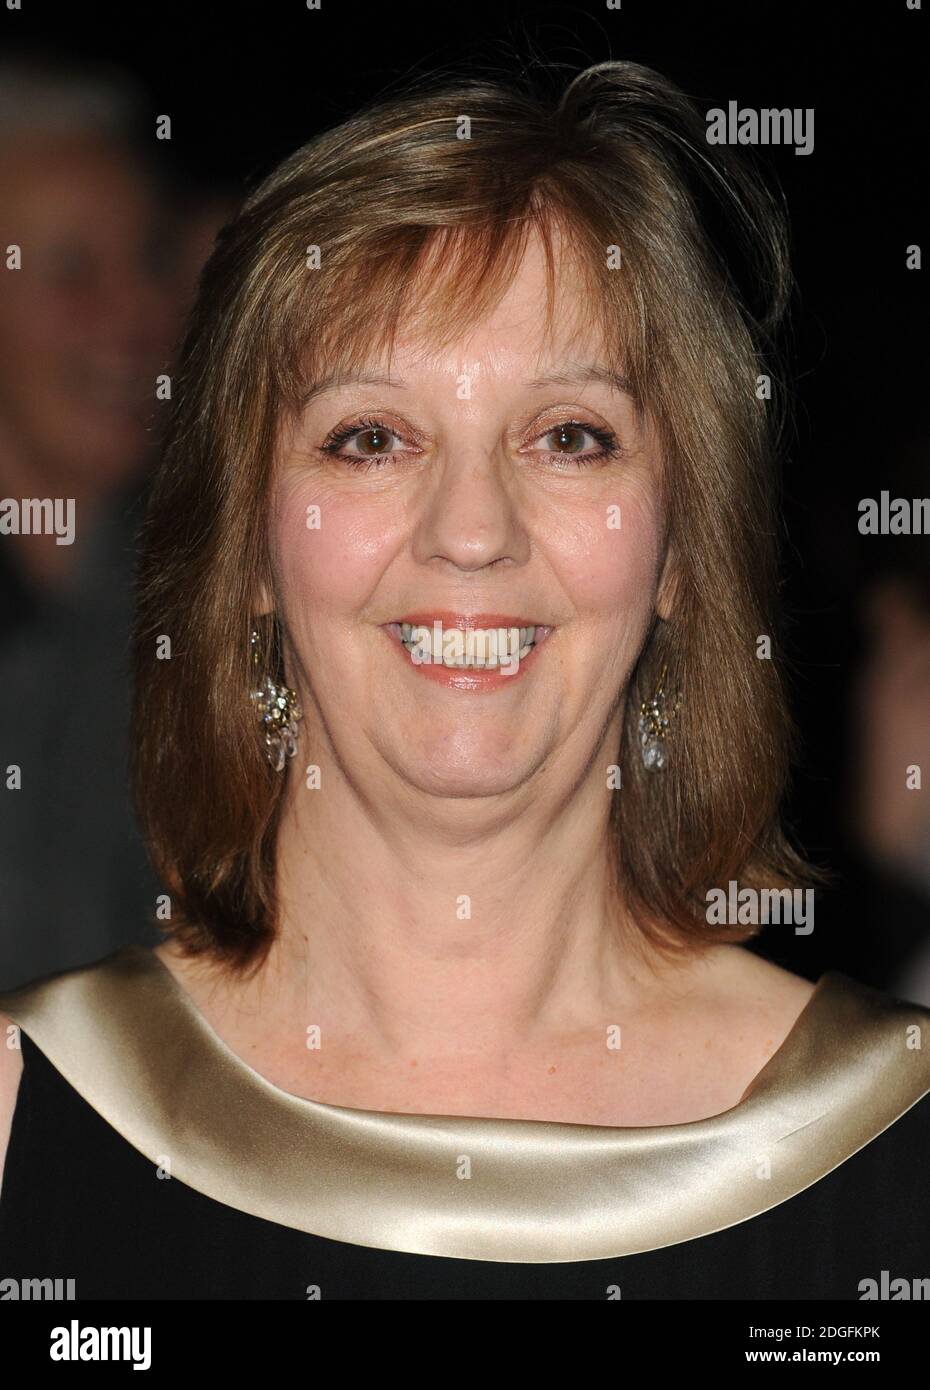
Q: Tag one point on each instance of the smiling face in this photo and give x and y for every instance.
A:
(505, 482)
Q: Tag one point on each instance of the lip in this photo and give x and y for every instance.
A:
(425, 617)
(472, 678)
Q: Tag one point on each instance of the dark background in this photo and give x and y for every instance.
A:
(244, 86)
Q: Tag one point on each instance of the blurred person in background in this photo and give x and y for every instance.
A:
(87, 323)
(891, 740)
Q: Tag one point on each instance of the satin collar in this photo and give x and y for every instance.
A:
(128, 1038)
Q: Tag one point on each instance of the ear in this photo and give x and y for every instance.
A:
(668, 585)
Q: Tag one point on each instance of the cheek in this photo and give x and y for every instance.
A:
(607, 557)
(330, 548)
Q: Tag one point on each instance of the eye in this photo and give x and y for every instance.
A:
(571, 443)
(374, 443)
(581, 445)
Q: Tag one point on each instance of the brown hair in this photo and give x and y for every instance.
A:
(396, 198)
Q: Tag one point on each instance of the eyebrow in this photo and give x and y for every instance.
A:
(331, 383)
(573, 375)
(576, 375)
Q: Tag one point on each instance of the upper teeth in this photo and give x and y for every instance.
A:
(471, 646)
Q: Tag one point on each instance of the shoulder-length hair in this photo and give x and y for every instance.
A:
(427, 199)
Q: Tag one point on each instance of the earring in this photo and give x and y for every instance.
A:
(655, 718)
(278, 711)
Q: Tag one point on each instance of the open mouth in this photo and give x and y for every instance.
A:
(486, 643)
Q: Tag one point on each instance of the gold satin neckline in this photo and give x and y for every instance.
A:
(128, 1038)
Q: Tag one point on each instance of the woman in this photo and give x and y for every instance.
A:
(469, 487)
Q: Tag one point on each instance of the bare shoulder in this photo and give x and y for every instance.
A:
(762, 982)
(757, 1000)
(11, 1067)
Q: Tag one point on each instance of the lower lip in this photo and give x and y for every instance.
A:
(481, 679)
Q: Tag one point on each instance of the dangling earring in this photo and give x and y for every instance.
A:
(655, 718)
(278, 711)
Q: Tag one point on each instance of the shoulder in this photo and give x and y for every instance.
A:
(740, 974)
(876, 1041)
(746, 991)
(63, 1014)
(746, 1006)
(11, 1067)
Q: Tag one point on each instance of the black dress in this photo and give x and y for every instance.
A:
(147, 1161)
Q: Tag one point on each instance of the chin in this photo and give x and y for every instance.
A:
(488, 773)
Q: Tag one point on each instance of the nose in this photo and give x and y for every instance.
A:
(471, 519)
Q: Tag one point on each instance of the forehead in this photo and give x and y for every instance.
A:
(513, 304)
(520, 333)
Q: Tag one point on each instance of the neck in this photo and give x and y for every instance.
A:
(412, 922)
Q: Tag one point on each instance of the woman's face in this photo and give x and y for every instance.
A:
(493, 485)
